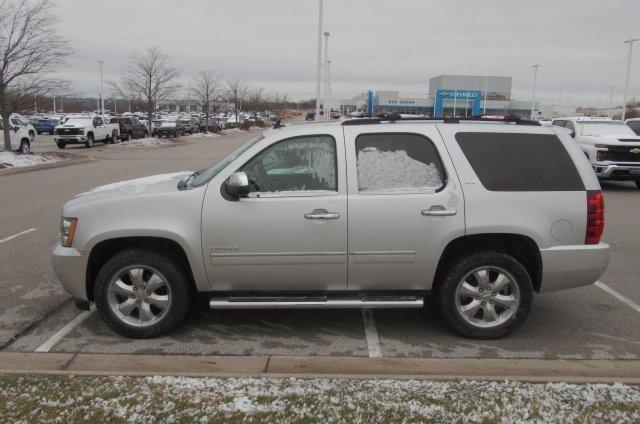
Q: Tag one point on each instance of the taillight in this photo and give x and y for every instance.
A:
(595, 217)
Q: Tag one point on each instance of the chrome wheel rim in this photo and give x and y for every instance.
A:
(488, 296)
(139, 295)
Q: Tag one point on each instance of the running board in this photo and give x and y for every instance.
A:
(319, 302)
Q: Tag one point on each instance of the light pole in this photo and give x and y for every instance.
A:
(610, 114)
(535, 82)
(484, 102)
(626, 80)
(101, 62)
(455, 99)
(326, 74)
(319, 63)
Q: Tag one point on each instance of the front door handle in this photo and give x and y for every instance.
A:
(321, 214)
(439, 211)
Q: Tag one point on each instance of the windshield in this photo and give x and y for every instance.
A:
(77, 121)
(202, 177)
(605, 128)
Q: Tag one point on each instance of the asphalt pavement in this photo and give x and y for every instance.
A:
(595, 322)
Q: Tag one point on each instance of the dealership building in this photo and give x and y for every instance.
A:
(448, 95)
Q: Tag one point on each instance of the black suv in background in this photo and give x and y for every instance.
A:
(130, 127)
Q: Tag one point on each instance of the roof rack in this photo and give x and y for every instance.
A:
(393, 117)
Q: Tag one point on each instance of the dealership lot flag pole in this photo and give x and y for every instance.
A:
(319, 63)
(535, 82)
(626, 80)
(484, 103)
(610, 114)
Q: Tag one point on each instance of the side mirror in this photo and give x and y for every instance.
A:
(237, 185)
(572, 133)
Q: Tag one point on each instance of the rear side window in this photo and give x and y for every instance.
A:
(398, 163)
(520, 162)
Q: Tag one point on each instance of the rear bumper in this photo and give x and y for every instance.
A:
(70, 266)
(565, 267)
(616, 171)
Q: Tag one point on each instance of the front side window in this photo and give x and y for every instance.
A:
(294, 165)
(97, 122)
(559, 123)
(398, 163)
(569, 125)
(635, 126)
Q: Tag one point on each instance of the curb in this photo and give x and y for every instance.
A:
(527, 370)
(75, 160)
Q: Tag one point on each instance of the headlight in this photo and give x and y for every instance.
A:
(67, 231)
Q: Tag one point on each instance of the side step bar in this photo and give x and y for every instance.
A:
(319, 302)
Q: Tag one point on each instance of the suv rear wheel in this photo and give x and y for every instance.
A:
(485, 295)
(89, 143)
(142, 293)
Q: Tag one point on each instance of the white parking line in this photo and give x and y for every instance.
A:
(55, 339)
(17, 235)
(618, 296)
(371, 333)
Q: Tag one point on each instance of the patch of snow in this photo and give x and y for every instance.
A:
(230, 130)
(392, 171)
(206, 135)
(145, 142)
(13, 160)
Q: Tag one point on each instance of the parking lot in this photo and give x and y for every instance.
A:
(597, 322)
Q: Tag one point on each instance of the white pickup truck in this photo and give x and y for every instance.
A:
(611, 146)
(85, 130)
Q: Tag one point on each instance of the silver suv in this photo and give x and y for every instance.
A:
(372, 213)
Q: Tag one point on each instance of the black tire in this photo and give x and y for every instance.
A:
(39, 132)
(145, 134)
(25, 147)
(461, 267)
(89, 143)
(168, 267)
(32, 136)
(638, 183)
(61, 145)
(129, 136)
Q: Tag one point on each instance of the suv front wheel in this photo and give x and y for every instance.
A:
(485, 295)
(142, 293)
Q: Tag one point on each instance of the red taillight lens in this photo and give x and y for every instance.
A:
(595, 217)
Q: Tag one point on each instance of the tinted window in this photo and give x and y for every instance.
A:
(558, 123)
(520, 162)
(397, 162)
(634, 125)
(297, 164)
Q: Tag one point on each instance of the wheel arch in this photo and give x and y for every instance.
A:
(521, 247)
(105, 249)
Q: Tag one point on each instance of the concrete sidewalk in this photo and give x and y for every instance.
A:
(531, 370)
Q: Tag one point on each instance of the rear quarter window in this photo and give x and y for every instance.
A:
(520, 162)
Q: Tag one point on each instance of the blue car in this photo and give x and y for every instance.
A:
(46, 126)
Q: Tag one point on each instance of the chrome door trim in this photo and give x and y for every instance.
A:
(280, 258)
(395, 256)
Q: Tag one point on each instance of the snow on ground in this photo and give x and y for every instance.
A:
(380, 171)
(231, 130)
(13, 160)
(206, 135)
(146, 142)
(32, 398)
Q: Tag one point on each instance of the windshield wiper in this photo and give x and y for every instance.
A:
(184, 183)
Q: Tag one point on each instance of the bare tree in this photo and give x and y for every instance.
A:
(149, 78)
(255, 100)
(236, 94)
(29, 49)
(205, 89)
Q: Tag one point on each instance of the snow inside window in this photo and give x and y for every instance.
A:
(397, 162)
(298, 164)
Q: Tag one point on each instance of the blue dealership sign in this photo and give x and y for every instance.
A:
(443, 94)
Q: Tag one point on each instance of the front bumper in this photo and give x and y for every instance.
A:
(70, 266)
(565, 267)
(608, 170)
(70, 139)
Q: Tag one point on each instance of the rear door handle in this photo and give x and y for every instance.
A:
(434, 211)
(321, 214)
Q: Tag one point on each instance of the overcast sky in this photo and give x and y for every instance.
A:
(377, 45)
